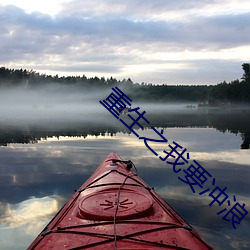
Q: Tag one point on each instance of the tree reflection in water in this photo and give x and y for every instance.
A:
(233, 121)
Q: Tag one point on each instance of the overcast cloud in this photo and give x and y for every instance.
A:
(160, 41)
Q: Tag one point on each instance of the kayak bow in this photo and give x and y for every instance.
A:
(116, 209)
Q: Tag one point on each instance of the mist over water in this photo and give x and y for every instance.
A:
(80, 132)
(61, 104)
(59, 109)
(54, 102)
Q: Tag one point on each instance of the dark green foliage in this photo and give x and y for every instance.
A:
(233, 92)
(246, 75)
(220, 94)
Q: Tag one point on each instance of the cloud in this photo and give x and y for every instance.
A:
(147, 9)
(115, 30)
(125, 40)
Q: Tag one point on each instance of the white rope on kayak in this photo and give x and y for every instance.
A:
(130, 164)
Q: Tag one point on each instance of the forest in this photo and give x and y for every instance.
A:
(224, 93)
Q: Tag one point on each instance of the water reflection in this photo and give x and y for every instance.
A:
(101, 123)
(22, 220)
(36, 179)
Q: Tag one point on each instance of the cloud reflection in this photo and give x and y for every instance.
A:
(60, 166)
(29, 212)
(234, 156)
(22, 222)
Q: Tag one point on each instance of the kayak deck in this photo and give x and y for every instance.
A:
(116, 209)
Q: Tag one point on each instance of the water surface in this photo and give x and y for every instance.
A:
(44, 160)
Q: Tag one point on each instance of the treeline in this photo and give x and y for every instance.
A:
(237, 91)
(234, 92)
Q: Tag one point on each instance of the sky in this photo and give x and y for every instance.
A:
(152, 41)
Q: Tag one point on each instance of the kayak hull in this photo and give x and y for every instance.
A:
(116, 209)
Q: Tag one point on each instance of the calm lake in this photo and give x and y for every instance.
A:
(48, 154)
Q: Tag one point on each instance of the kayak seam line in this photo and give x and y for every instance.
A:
(114, 183)
(192, 231)
(62, 230)
(165, 207)
(120, 222)
(44, 233)
(99, 178)
(129, 237)
(114, 170)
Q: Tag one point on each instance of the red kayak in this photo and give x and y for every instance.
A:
(116, 209)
